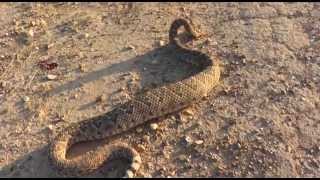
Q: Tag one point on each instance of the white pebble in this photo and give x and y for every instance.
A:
(154, 126)
(189, 112)
(199, 142)
(161, 43)
(50, 127)
(129, 174)
(31, 33)
(135, 166)
(139, 130)
(188, 139)
(26, 99)
(51, 77)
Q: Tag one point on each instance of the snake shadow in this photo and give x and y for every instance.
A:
(161, 65)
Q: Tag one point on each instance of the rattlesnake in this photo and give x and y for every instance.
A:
(145, 106)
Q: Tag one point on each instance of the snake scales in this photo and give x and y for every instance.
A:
(145, 106)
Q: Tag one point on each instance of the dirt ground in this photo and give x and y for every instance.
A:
(65, 62)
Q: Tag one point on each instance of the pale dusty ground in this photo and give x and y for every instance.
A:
(262, 121)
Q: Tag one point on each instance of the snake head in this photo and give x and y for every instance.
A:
(196, 29)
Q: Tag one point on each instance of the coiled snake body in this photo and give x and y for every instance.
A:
(144, 107)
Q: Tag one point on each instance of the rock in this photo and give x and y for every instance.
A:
(50, 127)
(183, 158)
(182, 119)
(3, 84)
(140, 148)
(31, 33)
(139, 130)
(101, 98)
(135, 166)
(187, 139)
(188, 112)
(33, 23)
(129, 174)
(154, 126)
(50, 45)
(75, 96)
(166, 155)
(238, 145)
(26, 99)
(146, 138)
(131, 47)
(51, 77)
(198, 142)
(161, 43)
(86, 35)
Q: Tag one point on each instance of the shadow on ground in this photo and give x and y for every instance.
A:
(159, 66)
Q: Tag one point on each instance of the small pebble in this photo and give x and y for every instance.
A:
(51, 77)
(182, 119)
(81, 55)
(31, 33)
(135, 166)
(146, 138)
(183, 157)
(140, 148)
(26, 99)
(154, 126)
(129, 174)
(101, 98)
(188, 139)
(75, 96)
(161, 43)
(166, 155)
(131, 47)
(139, 130)
(86, 35)
(50, 45)
(33, 23)
(198, 142)
(50, 127)
(3, 84)
(188, 112)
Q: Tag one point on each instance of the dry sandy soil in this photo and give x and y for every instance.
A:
(263, 120)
